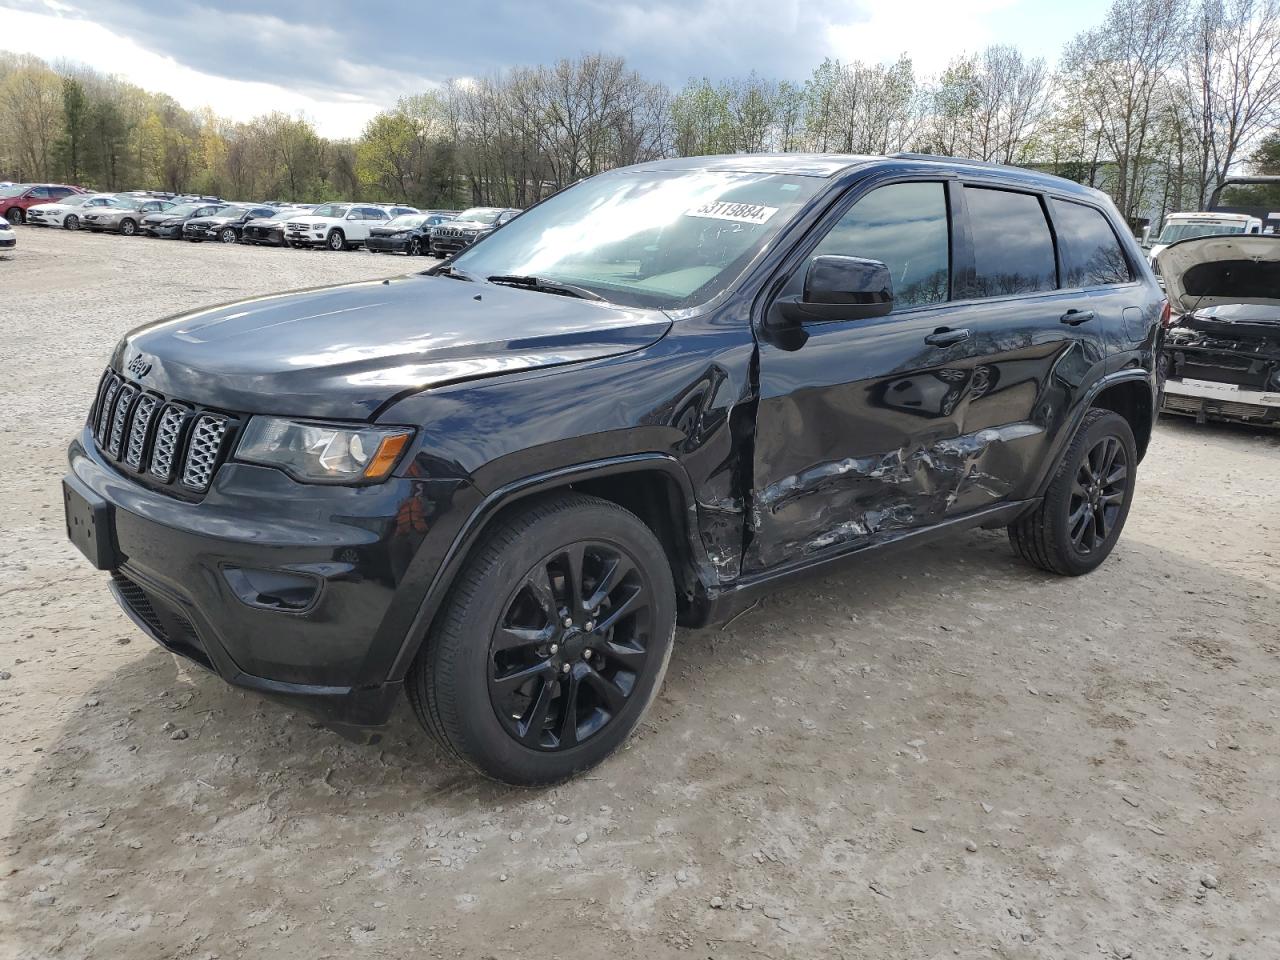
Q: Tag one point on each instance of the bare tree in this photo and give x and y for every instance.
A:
(1232, 80)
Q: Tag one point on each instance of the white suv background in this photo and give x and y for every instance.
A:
(338, 226)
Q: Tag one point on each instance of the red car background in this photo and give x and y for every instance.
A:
(15, 200)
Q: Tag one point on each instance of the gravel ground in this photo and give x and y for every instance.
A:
(940, 754)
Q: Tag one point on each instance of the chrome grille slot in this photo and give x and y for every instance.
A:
(164, 450)
(147, 405)
(160, 442)
(124, 401)
(104, 410)
(202, 452)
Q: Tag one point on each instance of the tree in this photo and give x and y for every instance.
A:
(70, 144)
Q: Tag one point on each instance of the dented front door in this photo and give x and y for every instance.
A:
(856, 435)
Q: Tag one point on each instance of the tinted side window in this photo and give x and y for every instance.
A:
(41, 193)
(1012, 245)
(1091, 254)
(903, 225)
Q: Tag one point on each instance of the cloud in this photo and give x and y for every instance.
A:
(339, 62)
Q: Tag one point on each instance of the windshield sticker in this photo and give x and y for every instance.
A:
(737, 212)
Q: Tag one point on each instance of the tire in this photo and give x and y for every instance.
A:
(372, 250)
(337, 240)
(461, 684)
(71, 222)
(415, 247)
(15, 215)
(227, 235)
(1075, 527)
(128, 227)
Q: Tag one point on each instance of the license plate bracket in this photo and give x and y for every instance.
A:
(90, 524)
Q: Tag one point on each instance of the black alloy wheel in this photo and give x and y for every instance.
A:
(415, 247)
(552, 642)
(1074, 527)
(71, 222)
(568, 650)
(1098, 494)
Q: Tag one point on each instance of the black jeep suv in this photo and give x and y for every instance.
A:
(498, 484)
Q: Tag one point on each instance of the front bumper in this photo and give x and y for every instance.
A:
(362, 554)
(7, 240)
(1206, 400)
(305, 239)
(388, 244)
(447, 246)
(197, 233)
(161, 231)
(274, 238)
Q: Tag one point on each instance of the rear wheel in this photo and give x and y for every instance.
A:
(337, 240)
(128, 227)
(71, 222)
(227, 235)
(1083, 511)
(552, 644)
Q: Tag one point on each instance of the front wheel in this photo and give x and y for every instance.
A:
(128, 227)
(415, 247)
(71, 222)
(337, 241)
(552, 644)
(1085, 507)
(227, 235)
(14, 215)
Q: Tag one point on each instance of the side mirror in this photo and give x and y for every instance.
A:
(841, 288)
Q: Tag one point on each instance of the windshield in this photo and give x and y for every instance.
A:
(75, 200)
(287, 214)
(661, 238)
(231, 212)
(14, 189)
(184, 209)
(336, 210)
(480, 214)
(407, 221)
(1184, 231)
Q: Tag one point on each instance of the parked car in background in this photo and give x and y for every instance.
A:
(1221, 355)
(15, 200)
(124, 215)
(409, 233)
(1206, 223)
(67, 212)
(269, 230)
(396, 210)
(168, 224)
(661, 392)
(338, 226)
(8, 237)
(225, 225)
(466, 228)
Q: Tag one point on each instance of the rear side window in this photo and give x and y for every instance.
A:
(1012, 245)
(1091, 254)
(903, 225)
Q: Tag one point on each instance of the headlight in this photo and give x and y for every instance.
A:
(322, 452)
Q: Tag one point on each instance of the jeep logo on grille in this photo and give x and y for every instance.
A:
(139, 366)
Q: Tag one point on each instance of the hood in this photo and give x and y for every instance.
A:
(467, 224)
(215, 220)
(1213, 271)
(344, 352)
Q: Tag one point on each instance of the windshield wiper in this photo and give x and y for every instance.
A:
(545, 286)
(449, 270)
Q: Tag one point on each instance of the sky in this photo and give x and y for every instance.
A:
(338, 62)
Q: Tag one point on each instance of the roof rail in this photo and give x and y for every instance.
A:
(1259, 180)
(938, 156)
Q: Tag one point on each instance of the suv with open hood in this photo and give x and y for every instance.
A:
(1221, 357)
(495, 485)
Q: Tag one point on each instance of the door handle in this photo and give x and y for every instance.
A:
(945, 337)
(1076, 317)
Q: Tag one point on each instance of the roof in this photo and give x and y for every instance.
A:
(831, 165)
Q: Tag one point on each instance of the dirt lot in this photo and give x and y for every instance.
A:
(943, 754)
